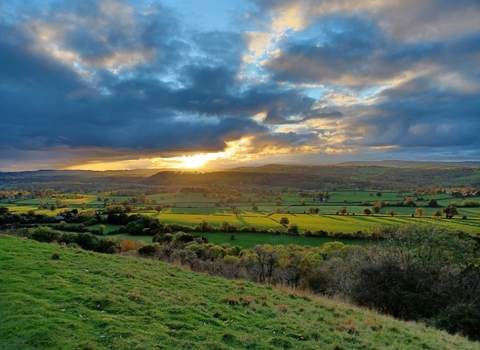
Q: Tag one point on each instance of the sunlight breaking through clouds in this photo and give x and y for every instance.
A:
(123, 84)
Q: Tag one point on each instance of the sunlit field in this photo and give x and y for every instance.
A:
(189, 209)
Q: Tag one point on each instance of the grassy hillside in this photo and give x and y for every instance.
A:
(86, 300)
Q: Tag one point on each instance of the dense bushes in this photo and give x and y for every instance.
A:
(86, 241)
(462, 318)
(415, 273)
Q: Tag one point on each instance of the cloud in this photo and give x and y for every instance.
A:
(122, 80)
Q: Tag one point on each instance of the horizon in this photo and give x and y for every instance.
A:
(121, 84)
(380, 163)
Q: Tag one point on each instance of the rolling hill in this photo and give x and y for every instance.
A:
(85, 300)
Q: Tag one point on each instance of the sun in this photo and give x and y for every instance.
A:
(195, 161)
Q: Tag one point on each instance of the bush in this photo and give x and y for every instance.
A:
(463, 319)
(148, 250)
(87, 241)
(55, 256)
(44, 234)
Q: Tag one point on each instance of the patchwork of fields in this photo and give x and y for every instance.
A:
(252, 210)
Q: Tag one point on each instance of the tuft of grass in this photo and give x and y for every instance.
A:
(349, 325)
(247, 299)
(231, 300)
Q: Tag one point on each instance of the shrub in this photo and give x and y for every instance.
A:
(183, 237)
(148, 250)
(463, 319)
(55, 256)
(44, 234)
(127, 245)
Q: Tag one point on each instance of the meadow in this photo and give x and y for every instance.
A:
(190, 209)
(249, 239)
(86, 300)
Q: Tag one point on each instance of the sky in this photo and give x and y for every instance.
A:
(123, 84)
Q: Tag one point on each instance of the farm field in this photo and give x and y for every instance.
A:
(192, 208)
(249, 240)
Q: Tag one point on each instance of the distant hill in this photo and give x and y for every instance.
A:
(87, 300)
(383, 175)
(407, 163)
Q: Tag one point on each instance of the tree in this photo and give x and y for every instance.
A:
(379, 194)
(158, 209)
(450, 211)
(266, 259)
(255, 208)
(419, 212)
(293, 229)
(410, 202)
(376, 208)
(367, 211)
(432, 203)
(419, 271)
(437, 213)
(342, 210)
(302, 201)
(203, 226)
(391, 213)
(284, 221)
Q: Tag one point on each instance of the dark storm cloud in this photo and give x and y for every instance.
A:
(114, 79)
(419, 114)
(335, 50)
(430, 87)
(355, 52)
(184, 96)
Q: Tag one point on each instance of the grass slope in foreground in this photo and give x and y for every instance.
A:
(87, 300)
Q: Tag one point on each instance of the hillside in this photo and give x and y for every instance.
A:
(86, 300)
(393, 175)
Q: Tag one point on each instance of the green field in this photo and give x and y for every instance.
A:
(191, 209)
(249, 240)
(86, 300)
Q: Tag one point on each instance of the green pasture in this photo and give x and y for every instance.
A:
(350, 223)
(361, 196)
(190, 209)
(87, 198)
(216, 220)
(329, 223)
(108, 227)
(249, 240)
